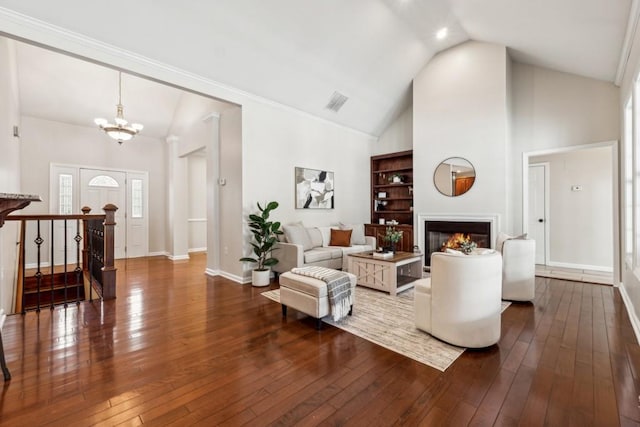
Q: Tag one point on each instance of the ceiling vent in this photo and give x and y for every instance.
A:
(336, 102)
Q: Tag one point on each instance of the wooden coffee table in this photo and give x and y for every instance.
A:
(392, 275)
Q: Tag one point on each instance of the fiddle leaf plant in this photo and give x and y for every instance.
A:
(265, 236)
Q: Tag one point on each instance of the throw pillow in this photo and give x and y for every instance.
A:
(503, 237)
(297, 234)
(316, 237)
(453, 251)
(357, 236)
(340, 237)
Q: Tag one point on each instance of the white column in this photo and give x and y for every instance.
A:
(177, 215)
(214, 182)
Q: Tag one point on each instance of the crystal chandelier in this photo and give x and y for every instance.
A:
(121, 130)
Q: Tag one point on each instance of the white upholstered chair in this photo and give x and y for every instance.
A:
(460, 303)
(519, 269)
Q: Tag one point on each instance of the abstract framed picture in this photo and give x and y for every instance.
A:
(314, 189)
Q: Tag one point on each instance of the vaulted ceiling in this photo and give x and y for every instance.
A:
(299, 52)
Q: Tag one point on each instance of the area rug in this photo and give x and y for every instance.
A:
(388, 322)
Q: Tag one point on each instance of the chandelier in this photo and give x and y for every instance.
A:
(121, 130)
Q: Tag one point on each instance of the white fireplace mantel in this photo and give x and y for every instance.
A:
(493, 219)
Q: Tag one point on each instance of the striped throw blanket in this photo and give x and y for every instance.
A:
(338, 288)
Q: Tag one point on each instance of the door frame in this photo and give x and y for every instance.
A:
(547, 210)
(76, 193)
(615, 180)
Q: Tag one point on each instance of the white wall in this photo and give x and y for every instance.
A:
(197, 203)
(398, 136)
(581, 231)
(552, 109)
(460, 110)
(276, 140)
(230, 212)
(44, 142)
(9, 168)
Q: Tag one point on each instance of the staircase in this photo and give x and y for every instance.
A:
(49, 290)
(92, 274)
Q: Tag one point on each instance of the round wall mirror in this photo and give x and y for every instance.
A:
(454, 176)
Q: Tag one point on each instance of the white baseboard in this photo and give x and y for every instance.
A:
(233, 277)
(580, 266)
(633, 318)
(197, 250)
(161, 253)
(178, 257)
(211, 272)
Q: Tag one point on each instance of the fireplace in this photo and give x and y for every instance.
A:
(435, 230)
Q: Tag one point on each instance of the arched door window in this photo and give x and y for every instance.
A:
(103, 181)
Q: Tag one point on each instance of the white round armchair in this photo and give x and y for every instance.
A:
(461, 302)
(519, 269)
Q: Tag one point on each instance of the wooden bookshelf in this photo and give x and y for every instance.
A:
(392, 199)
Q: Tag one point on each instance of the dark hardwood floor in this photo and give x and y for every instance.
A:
(180, 348)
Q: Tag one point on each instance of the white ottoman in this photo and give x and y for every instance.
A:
(308, 295)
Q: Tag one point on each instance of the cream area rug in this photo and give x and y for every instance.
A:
(388, 322)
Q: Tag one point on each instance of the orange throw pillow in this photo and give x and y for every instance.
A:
(340, 237)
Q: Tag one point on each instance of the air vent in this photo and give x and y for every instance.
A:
(336, 102)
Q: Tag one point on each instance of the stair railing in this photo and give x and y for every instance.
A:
(64, 282)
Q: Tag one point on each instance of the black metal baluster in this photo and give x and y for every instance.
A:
(78, 270)
(53, 276)
(65, 264)
(38, 241)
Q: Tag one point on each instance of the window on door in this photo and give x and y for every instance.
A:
(65, 194)
(136, 198)
(103, 181)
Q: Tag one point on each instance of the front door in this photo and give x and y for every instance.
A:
(99, 188)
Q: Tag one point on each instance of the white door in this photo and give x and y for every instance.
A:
(98, 188)
(63, 201)
(538, 221)
(137, 215)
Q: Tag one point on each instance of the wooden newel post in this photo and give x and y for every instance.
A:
(109, 271)
(85, 244)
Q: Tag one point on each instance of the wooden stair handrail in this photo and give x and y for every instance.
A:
(44, 217)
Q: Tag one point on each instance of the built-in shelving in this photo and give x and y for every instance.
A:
(392, 200)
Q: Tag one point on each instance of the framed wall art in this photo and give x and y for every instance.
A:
(314, 189)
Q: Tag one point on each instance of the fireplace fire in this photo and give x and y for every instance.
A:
(439, 235)
(459, 241)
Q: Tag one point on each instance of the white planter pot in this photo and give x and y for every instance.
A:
(260, 278)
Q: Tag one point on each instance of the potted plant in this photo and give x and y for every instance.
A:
(392, 237)
(396, 178)
(265, 234)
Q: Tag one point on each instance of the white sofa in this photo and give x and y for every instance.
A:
(304, 246)
(460, 303)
